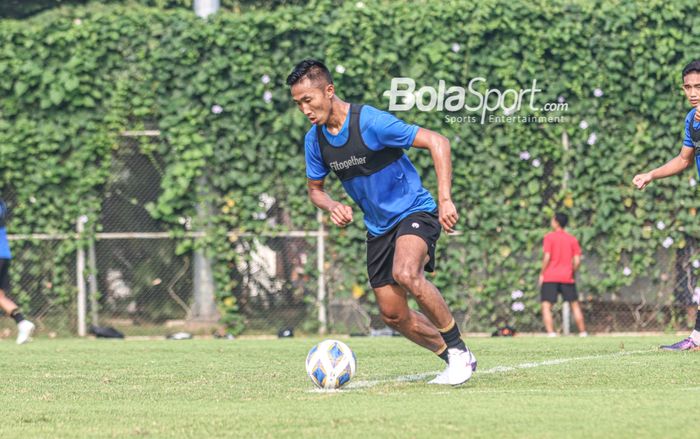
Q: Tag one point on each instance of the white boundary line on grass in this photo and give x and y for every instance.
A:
(497, 369)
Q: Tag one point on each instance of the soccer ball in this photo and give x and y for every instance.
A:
(330, 364)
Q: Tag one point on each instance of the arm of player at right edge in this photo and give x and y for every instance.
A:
(682, 160)
(672, 167)
(341, 214)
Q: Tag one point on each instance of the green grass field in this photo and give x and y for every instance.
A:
(599, 387)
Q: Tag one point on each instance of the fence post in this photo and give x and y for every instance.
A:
(204, 295)
(92, 283)
(566, 318)
(321, 294)
(565, 309)
(204, 8)
(80, 278)
(204, 306)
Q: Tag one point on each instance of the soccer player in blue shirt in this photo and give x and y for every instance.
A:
(691, 146)
(364, 147)
(24, 326)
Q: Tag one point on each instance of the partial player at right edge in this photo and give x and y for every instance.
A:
(691, 146)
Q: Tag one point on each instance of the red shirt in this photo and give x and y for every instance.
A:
(562, 247)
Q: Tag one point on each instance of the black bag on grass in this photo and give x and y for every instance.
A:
(105, 332)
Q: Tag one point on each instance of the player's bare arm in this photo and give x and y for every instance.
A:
(545, 261)
(576, 262)
(341, 214)
(673, 167)
(439, 148)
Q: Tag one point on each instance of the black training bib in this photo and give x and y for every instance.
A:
(695, 137)
(354, 158)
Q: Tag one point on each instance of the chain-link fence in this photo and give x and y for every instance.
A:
(141, 279)
(131, 273)
(138, 283)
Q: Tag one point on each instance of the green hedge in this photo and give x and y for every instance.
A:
(73, 78)
(27, 8)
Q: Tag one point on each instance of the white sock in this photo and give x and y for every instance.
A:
(695, 335)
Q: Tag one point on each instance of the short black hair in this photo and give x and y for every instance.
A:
(309, 69)
(692, 66)
(562, 219)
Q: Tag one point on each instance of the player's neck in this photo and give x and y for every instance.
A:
(339, 112)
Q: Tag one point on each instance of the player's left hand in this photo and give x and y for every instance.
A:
(448, 215)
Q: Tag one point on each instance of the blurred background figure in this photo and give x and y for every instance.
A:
(561, 259)
(24, 326)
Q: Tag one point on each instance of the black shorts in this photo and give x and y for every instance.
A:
(380, 249)
(5, 275)
(551, 289)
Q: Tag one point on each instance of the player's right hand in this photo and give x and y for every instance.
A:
(642, 180)
(341, 215)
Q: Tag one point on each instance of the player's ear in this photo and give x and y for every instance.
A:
(330, 91)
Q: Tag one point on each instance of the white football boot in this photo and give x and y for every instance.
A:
(441, 378)
(461, 365)
(25, 328)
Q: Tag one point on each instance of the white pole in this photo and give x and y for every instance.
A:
(566, 318)
(92, 283)
(204, 294)
(204, 306)
(321, 297)
(566, 308)
(80, 278)
(204, 8)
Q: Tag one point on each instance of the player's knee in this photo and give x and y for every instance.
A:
(409, 279)
(394, 319)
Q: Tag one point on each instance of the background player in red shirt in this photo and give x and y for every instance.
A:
(561, 259)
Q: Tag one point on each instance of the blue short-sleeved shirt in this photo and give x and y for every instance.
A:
(4, 245)
(389, 195)
(688, 140)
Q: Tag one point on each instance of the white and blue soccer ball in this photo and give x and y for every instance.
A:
(330, 364)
